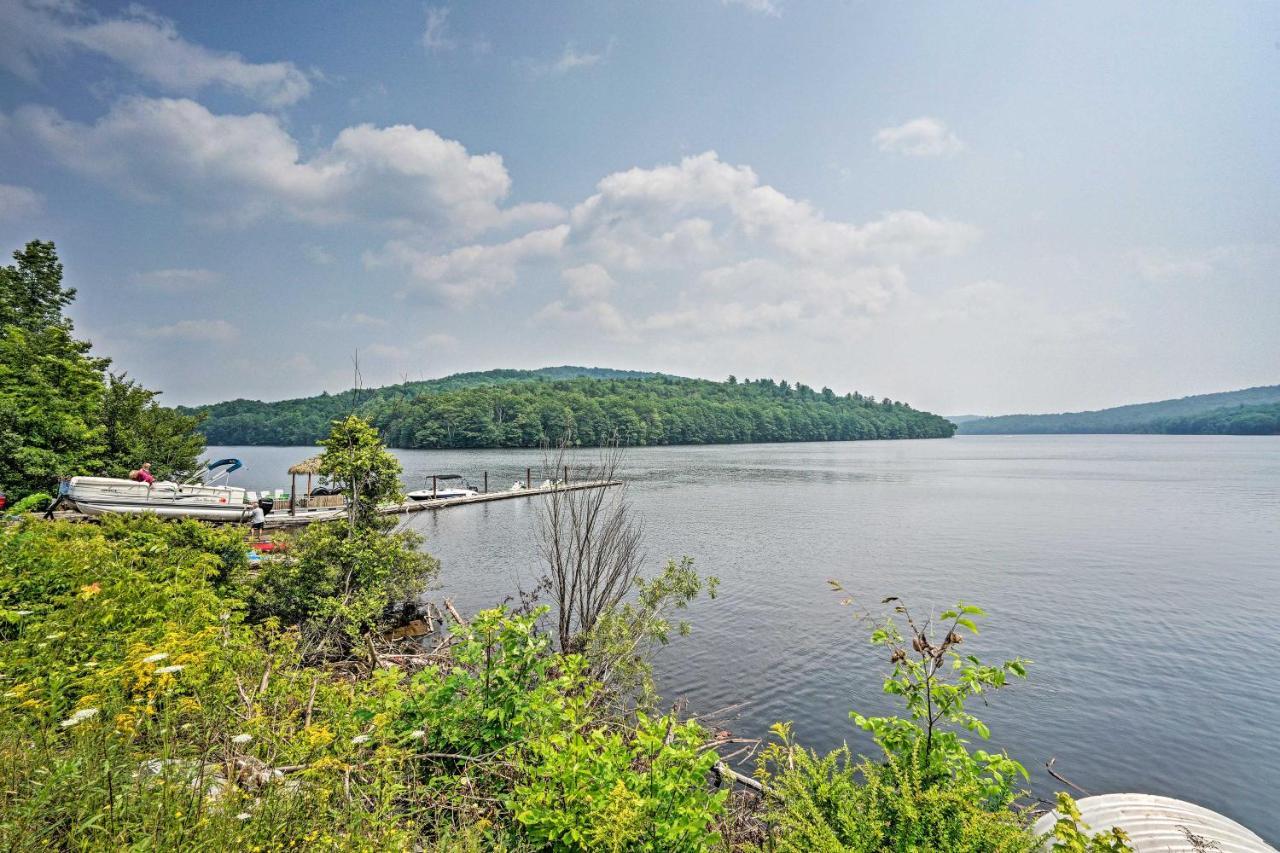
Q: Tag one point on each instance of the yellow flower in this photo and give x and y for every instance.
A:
(90, 590)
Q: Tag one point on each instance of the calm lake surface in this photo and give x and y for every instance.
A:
(1141, 574)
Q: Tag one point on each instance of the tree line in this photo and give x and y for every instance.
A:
(654, 410)
(62, 410)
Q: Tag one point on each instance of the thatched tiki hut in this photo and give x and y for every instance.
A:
(310, 467)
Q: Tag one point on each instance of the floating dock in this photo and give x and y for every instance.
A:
(279, 519)
(282, 519)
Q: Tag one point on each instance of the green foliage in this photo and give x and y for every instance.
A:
(1071, 834)
(935, 681)
(618, 648)
(31, 293)
(337, 582)
(530, 410)
(60, 415)
(502, 686)
(834, 803)
(357, 462)
(50, 408)
(137, 430)
(1252, 411)
(636, 790)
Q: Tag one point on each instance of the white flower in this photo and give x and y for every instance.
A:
(177, 667)
(417, 734)
(360, 739)
(158, 656)
(79, 717)
(243, 816)
(23, 612)
(241, 740)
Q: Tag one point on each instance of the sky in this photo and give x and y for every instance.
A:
(974, 208)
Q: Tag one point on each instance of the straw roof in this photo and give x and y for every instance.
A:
(307, 466)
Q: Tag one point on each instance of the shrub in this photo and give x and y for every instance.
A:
(837, 803)
(337, 582)
(635, 790)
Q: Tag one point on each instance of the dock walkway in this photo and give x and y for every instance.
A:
(281, 519)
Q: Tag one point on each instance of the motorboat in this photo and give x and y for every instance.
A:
(444, 487)
(205, 496)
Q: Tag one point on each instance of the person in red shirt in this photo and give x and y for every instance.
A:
(143, 474)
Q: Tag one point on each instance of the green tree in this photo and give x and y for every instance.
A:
(31, 292)
(138, 429)
(358, 463)
(60, 414)
(50, 408)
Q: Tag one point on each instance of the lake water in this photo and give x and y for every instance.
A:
(1141, 574)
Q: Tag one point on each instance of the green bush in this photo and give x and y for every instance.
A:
(337, 582)
(837, 803)
(636, 790)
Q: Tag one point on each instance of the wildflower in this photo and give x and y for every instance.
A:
(23, 612)
(90, 590)
(417, 734)
(360, 739)
(158, 656)
(243, 816)
(177, 667)
(241, 740)
(79, 717)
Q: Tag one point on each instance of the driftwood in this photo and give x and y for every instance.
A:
(453, 612)
(725, 773)
(1048, 765)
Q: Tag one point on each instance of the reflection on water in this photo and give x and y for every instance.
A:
(1140, 573)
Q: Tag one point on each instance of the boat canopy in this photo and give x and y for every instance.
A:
(235, 464)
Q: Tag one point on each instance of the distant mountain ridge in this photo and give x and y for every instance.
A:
(534, 408)
(1250, 411)
(301, 420)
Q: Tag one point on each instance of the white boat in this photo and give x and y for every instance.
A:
(456, 488)
(209, 501)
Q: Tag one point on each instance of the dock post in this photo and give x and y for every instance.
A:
(566, 475)
(433, 486)
(293, 491)
(528, 477)
(486, 482)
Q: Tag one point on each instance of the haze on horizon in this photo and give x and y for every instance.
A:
(1018, 208)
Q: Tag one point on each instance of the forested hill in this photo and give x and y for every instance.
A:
(1252, 411)
(534, 410)
(304, 420)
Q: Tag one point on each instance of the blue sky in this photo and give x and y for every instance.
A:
(975, 208)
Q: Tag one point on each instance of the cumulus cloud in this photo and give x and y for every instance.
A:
(177, 280)
(143, 43)
(239, 168)
(920, 137)
(459, 276)
(19, 202)
(197, 331)
(586, 304)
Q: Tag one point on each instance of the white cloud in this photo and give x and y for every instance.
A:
(1159, 265)
(586, 305)
(920, 137)
(19, 202)
(459, 276)
(764, 7)
(143, 43)
(435, 37)
(238, 168)
(177, 280)
(197, 331)
(571, 59)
